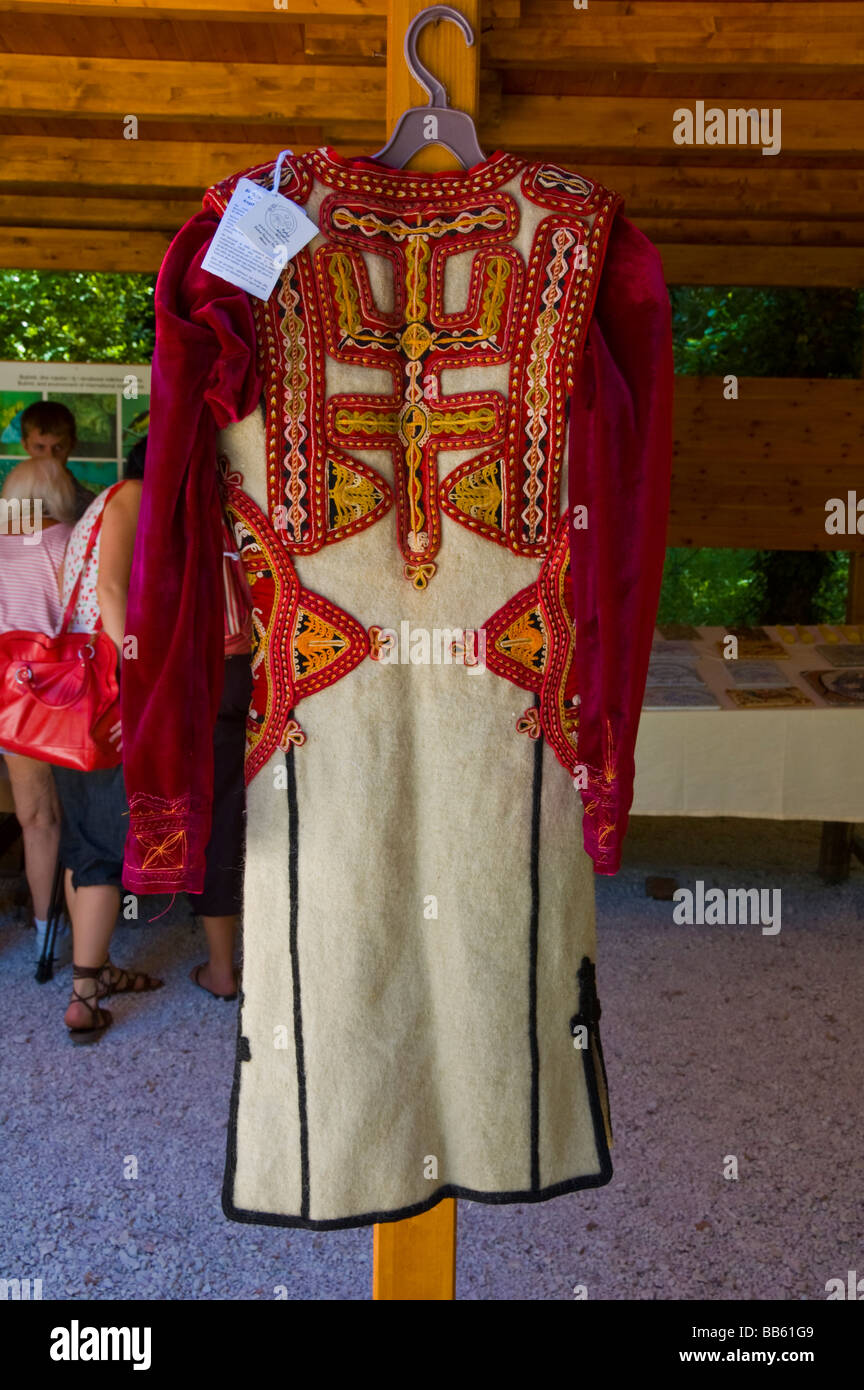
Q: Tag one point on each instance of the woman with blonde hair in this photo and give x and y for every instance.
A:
(36, 506)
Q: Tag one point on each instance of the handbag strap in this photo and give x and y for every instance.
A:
(91, 542)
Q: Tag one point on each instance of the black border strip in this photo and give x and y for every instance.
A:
(468, 1194)
(231, 1151)
(533, 935)
(293, 878)
(591, 1056)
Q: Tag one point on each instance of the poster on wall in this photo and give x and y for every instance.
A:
(110, 402)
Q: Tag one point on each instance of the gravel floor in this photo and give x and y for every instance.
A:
(719, 1041)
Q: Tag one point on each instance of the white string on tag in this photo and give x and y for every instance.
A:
(277, 172)
(259, 232)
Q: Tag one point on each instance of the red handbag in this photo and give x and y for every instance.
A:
(59, 696)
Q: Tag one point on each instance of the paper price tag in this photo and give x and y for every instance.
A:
(259, 231)
(277, 226)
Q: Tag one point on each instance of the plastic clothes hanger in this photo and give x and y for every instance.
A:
(437, 123)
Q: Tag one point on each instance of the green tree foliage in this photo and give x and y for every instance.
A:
(770, 332)
(75, 316)
(710, 588)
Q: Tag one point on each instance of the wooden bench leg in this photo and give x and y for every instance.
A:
(416, 1258)
(835, 851)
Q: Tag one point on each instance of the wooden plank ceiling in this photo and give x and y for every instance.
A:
(217, 85)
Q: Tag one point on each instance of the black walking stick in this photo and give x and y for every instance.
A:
(45, 964)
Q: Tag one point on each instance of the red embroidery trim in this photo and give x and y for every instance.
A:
(302, 642)
(529, 723)
(530, 642)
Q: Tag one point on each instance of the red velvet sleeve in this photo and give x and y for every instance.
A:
(204, 376)
(620, 467)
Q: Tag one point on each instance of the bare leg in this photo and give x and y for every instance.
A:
(38, 812)
(94, 914)
(218, 974)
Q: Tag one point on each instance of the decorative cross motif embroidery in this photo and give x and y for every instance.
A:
(466, 275)
(418, 421)
(169, 852)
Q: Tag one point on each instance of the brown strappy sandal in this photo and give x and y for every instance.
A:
(126, 982)
(101, 1018)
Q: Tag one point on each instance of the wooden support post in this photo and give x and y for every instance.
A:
(838, 841)
(855, 592)
(416, 1258)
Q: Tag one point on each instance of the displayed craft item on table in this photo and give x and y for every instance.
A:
(795, 634)
(838, 687)
(743, 673)
(666, 671)
(844, 654)
(755, 644)
(677, 650)
(679, 697)
(784, 696)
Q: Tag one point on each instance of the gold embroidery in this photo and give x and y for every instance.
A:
(525, 640)
(316, 644)
(351, 494)
(479, 494)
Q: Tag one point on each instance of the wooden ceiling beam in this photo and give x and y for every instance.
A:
(706, 231)
(362, 42)
(633, 124)
(108, 214)
(328, 93)
(75, 248)
(139, 166)
(503, 12)
(177, 91)
(735, 36)
(838, 267)
(243, 11)
(711, 190)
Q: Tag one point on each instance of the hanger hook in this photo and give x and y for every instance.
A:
(437, 91)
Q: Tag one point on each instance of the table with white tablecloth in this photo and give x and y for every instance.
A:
(795, 762)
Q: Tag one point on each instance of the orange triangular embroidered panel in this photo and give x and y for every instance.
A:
(517, 640)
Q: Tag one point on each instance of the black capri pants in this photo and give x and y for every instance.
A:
(222, 894)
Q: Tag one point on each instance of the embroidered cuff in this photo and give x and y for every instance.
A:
(165, 845)
(604, 822)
